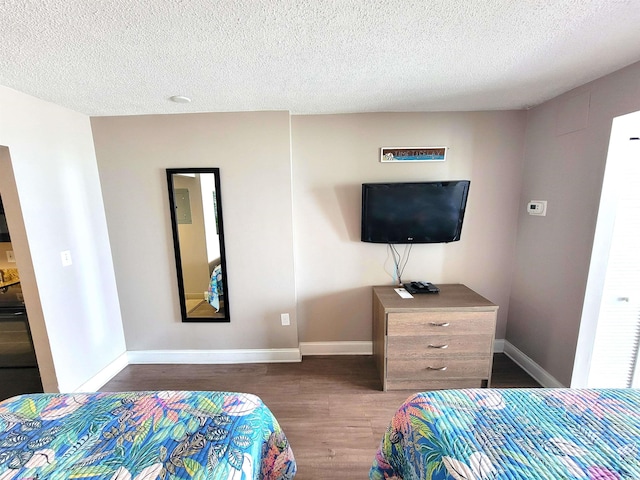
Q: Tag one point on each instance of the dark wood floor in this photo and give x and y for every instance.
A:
(331, 408)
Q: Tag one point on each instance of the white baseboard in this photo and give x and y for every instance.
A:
(336, 348)
(273, 355)
(282, 355)
(104, 375)
(531, 367)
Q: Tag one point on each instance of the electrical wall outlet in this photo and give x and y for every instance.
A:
(284, 318)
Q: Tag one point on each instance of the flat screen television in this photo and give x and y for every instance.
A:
(413, 212)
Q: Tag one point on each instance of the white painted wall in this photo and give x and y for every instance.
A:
(252, 151)
(565, 152)
(334, 154)
(49, 184)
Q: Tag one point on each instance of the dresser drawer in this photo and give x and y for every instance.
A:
(439, 368)
(433, 341)
(411, 347)
(440, 323)
(444, 384)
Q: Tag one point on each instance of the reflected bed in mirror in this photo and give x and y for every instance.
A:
(198, 240)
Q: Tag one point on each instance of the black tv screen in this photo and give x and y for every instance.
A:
(417, 212)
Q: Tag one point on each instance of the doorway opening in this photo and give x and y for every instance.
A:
(19, 371)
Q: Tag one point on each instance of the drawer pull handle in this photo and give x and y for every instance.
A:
(443, 324)
(439, 346)
(439, 369)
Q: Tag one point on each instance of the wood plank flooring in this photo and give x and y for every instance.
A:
(331, 408)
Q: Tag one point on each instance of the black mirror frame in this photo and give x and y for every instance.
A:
(176, 245)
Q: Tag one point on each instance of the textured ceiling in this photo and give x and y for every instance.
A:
(122, 57)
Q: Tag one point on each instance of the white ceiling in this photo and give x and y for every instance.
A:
(125, 57)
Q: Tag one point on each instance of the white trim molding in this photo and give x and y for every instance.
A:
(272, 355)
(282, 355)
(336, 348)
(531, 367)
(104, 375)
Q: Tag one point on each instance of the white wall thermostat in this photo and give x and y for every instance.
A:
(537, 207)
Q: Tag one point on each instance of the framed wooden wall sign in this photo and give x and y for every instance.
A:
(413, 154)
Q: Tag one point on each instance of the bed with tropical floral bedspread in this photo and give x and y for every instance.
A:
(142, 436)
(513, 434)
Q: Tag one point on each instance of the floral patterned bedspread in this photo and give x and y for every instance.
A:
(513, 434)
(215, 290)
(142, 436)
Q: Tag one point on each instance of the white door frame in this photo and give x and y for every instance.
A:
(623, 128)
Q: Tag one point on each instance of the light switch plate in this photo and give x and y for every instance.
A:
(66, 258)
(10, 257)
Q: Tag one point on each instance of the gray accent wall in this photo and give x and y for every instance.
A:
(252, 151)
(334, 154)
(564, 158)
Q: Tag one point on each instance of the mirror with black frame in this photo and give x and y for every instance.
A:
(198, 240)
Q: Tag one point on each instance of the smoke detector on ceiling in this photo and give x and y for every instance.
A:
(180, 99)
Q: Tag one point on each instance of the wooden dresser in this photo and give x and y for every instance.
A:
(433, 341)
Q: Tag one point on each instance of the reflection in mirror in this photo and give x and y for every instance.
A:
(196, 218)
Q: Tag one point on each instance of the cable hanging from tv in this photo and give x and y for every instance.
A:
(399, 261)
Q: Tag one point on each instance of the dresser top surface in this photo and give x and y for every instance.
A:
(452, 296)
